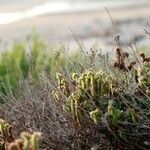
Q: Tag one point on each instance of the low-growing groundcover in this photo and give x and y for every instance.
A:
(8, 141)
(28, 61)
(101, 104)
(90, 104)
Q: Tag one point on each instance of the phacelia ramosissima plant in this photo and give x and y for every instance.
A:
(8, 142)
(83, 92)
(100, 98)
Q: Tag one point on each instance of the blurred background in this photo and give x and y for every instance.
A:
(90, 22)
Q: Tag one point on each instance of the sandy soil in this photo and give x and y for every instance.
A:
(86, 25)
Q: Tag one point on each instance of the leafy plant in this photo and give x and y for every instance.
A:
(7, 141)
(92, 97)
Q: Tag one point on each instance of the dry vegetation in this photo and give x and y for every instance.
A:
(92, 103)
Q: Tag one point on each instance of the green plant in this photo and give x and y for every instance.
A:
(6, 135)
(92, 97)
(144, 77)
(85, 93)
(27, 142)
(7, 140)
(91, 106)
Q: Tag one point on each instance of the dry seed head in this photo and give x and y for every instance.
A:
(147, 59)
(142, 55)
(118, 50)
(125, 55)
(116, 64)
(133, 62)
